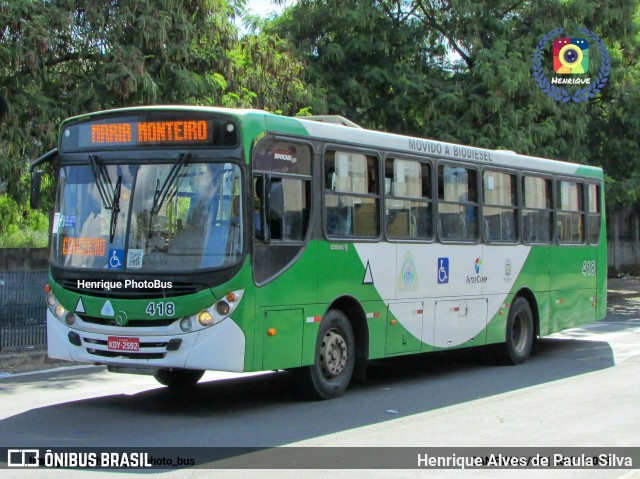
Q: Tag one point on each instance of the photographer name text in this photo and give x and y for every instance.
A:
(127, 284)
(570, 81)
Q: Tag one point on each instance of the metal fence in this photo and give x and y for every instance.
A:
(22, 308)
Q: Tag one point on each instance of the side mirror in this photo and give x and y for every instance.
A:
(34, 195)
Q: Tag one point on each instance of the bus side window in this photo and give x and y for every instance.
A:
(258, 208)
(499, 215)
(537, 212)
(352, 196)
(337, 216)
(408, 200)
(570, 212)
(287, 216)
(276, 209)
(457, 203)
(593, 213)
(282, 205)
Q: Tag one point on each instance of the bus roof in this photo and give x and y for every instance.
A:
(159, 108)
(361, 137)
(438, 149)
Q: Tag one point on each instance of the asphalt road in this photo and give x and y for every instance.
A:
(582, 388)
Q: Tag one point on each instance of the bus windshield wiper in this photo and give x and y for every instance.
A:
(102, 178)
(115, 209)
(161, 193)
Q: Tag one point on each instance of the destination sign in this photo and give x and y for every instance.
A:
(145, 132)
(83, 246)
(149, 131)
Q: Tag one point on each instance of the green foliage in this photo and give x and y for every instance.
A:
(61, 58)
(455, 71)
(11, 215)
(25, 239)
(21, 228)
(361, 61)
(462, 72)
(262, 65)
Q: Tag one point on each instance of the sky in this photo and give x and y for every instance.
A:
(264, 7)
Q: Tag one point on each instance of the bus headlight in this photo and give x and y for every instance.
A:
(205, 319)
(221, 309)
(59, 311)
(186, 325)
(51, 300)
(212, 315)
(56, 308)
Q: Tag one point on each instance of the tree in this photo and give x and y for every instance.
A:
(61, 58)
(263, 73)
(373, 63)
(462, 72)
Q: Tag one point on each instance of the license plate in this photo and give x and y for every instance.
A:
(116, 343)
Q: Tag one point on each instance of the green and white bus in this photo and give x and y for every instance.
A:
(187, 239)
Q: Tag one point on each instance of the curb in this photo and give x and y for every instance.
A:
(618, 297)
(16, 361)
(8, 378)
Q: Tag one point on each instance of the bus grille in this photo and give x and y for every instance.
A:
(133, 323)
(121, 354)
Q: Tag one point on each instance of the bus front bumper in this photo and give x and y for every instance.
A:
(220, 347)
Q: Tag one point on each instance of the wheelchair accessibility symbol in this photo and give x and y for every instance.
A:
(116, 258)
(443, 270)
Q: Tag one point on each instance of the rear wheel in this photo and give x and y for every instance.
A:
(519, 334)
(334, 359)
(178, 378)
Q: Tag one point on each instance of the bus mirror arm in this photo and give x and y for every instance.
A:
(49, 155)
(36, 178)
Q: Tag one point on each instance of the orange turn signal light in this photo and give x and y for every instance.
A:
(271, 331)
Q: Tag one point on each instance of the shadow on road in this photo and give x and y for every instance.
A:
(263, 411)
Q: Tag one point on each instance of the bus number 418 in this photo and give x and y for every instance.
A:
(161, 309)
(588, 268)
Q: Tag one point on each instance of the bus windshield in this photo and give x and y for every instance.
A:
(150, 217)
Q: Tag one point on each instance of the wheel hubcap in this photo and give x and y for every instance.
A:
(333, 354)
(520, 333)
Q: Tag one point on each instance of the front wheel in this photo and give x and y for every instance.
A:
(178, 378)
(519, 333)
(334, 359)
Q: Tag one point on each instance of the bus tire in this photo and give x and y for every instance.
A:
(178, 378)
(334, 359)
(519, 335)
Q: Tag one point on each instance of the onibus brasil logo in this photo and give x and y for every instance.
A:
(570, 57)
